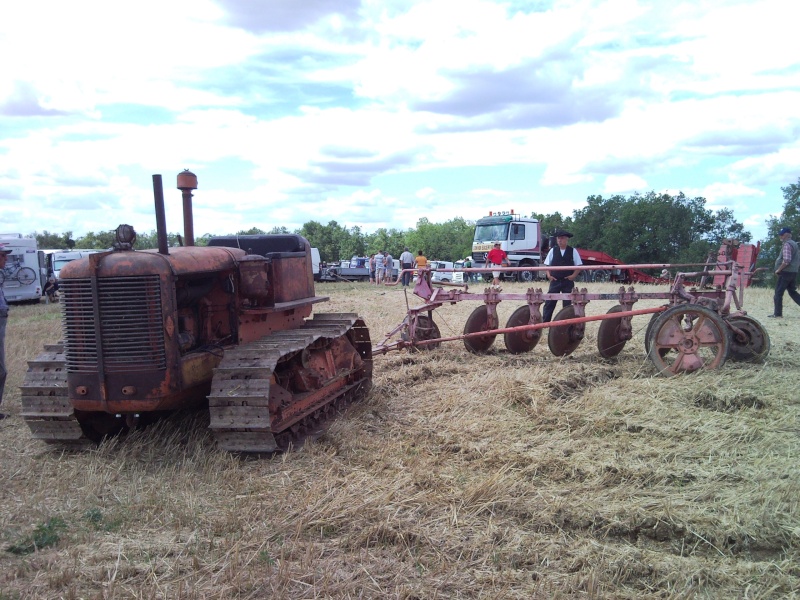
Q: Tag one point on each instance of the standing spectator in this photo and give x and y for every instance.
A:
(406, 262)
(421, 261)
(372, 268)
(467, 265)
(379, 267)
(561, 281)
(496, 258)
(4, 252)
(786, 266)
(388, 265)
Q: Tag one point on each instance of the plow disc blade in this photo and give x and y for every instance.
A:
(609, 342)
(523, 341)
(479, 321)
(752, 345)
(564, 339)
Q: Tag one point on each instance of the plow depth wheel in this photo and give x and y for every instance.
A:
(426, 329)
(688, 338)
(609, 343)
(479, 321)
(564, 339)
(752, 345)
(522, 341)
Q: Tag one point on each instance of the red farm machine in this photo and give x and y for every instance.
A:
(700, 324)
(152, 331)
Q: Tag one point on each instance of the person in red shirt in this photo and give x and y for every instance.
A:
(496, 258)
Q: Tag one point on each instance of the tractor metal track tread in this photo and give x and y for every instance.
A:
(239, 401)
(45, 403)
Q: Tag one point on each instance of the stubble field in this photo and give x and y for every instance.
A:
(459, 476)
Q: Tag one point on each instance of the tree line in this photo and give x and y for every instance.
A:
(640, 228)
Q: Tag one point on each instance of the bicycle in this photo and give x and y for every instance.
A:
(24, 275)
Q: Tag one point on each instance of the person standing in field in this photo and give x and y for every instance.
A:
(786, 267)
(561, 281)
(379, 267)
(421, 261)
(4, 252)
(372, 268)
(388, 265)
(496, 257)
(406, 262)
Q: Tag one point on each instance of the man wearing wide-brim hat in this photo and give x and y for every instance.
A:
(562, 281)
(4, 252)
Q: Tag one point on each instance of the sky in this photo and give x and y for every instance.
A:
(376, 113)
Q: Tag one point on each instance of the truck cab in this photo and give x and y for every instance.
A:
(519, 237)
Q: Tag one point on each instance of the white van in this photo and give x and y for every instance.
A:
(57, 259)
(438, 276)
(315, 264)
(22, 277)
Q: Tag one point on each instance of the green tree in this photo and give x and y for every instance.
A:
(102, 240)
(55, 241)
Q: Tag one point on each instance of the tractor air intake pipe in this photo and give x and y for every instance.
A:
(161, 218)
(187, 181)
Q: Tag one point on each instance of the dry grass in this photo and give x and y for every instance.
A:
(459, 477)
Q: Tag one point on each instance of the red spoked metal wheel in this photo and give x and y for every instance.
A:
(687, 338)
(609, 342)
(564, 339)
(752, 344)
(525, 340)
(479, 321)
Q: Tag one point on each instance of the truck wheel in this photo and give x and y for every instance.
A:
(526, 276)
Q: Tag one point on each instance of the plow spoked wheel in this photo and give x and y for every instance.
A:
(523, 341)
(564, 339)
(426, 329)
(608, 341)
(688, 338)
(753, 345)
(652, 322)
(479, 321)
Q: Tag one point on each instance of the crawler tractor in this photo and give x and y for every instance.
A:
(152, 331)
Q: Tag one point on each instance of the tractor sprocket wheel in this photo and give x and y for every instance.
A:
(687, 338)
(425, 329)
(479, 321)
(565, 338)
(753, 344)
(525, 340)
(609, 343)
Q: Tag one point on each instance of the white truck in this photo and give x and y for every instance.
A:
(520, 237)
(56, 259)
(22, 276)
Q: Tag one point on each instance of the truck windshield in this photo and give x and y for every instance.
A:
(59, 264)
(490, 233)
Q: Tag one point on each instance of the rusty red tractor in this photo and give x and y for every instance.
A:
(151, 331)
(701, 324)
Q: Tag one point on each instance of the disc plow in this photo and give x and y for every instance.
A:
(699, 324)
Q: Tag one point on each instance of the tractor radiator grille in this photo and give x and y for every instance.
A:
(131, 329)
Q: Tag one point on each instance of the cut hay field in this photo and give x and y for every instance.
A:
(459, 476)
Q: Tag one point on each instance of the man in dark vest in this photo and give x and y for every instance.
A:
(786, 266)
(561, 281)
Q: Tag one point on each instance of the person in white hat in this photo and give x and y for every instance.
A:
(4, 252)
